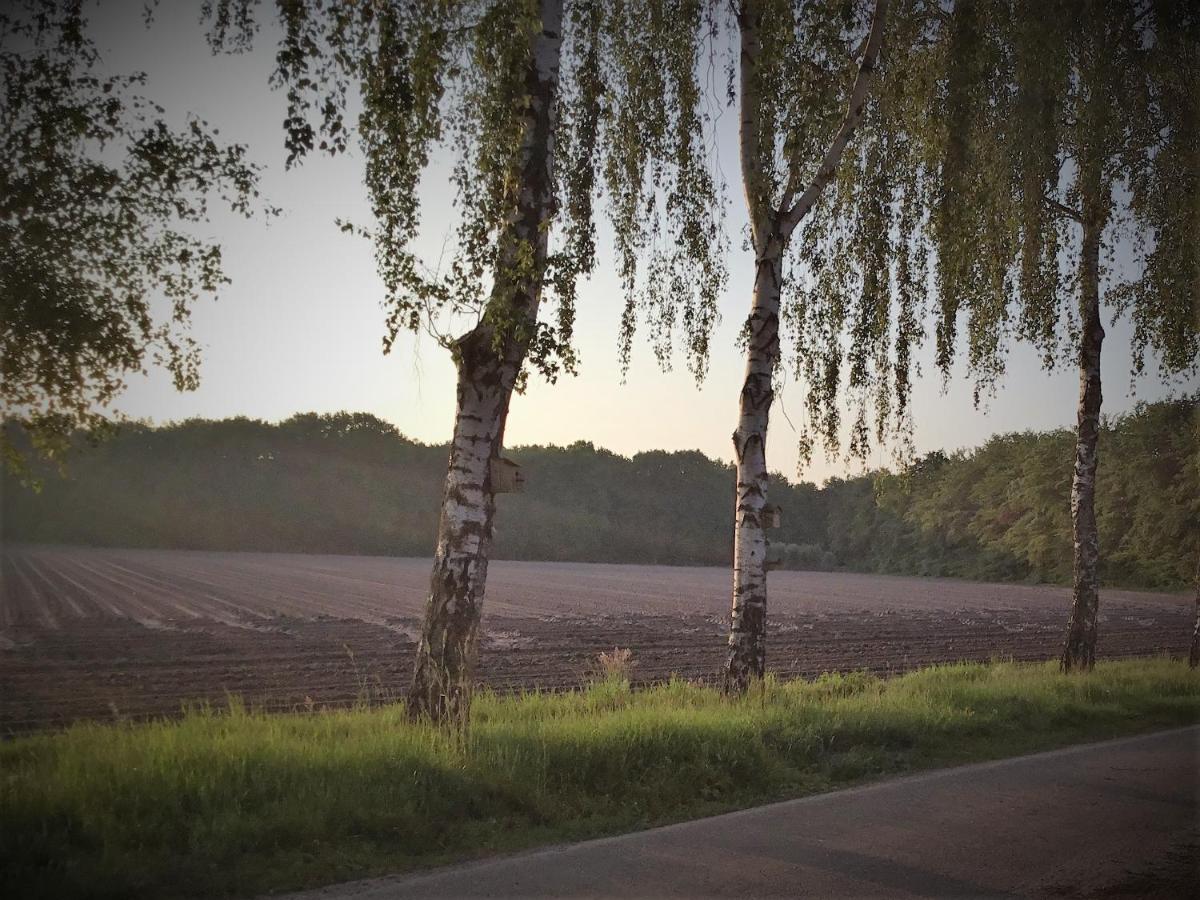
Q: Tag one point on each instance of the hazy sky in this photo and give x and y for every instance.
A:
(300, 327)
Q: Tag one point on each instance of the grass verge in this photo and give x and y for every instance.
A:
(237, 803)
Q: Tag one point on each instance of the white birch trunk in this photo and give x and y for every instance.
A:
(771, 228)
(747, 633)
(487, 371)
(1079, 650)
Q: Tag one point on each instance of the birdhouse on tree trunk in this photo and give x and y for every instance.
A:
(772, 516)
(506, 477)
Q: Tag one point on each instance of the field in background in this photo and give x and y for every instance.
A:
(133, 633)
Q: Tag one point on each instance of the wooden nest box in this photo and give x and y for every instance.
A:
(506, 477)
(772, 516)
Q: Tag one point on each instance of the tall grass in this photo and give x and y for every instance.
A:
(237, 802)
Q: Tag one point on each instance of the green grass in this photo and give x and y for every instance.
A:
(236, 802)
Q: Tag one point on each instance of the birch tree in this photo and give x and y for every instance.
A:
(543, 109)
(804, 74)
(1074, 129)
(1008, 149)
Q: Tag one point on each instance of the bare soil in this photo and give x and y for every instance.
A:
(104, 634)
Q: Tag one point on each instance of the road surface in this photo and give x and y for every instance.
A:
(1117, 818)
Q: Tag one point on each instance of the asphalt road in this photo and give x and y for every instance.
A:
(1118, 818)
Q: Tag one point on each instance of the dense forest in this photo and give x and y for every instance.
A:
(350, 483)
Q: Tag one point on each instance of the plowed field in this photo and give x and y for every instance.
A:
(103, 634)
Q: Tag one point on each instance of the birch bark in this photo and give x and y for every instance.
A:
(489, 359)
(1079, 650)
(747, 632)
(771, 227)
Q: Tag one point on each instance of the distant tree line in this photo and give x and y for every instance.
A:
(351, 483)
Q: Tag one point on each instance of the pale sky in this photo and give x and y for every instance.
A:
(300, 327)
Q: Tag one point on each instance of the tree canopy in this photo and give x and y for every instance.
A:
(438, 81)
(1041, 107)
(960, 196)
(99, 201)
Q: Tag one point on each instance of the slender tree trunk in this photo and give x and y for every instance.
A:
(441, 686)
(488, 362)
(772, 225)
(1080, 648)
(747, 634)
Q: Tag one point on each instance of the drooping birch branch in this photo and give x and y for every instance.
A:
(791, 214)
